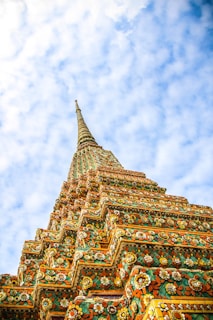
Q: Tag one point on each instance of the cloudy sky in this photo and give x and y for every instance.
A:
(142, 72)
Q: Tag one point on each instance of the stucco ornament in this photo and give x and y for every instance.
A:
(142, 280)
(46, 304)
(163, 261)
(163, 274)
(105, 281)
(118, 282)
(163, 306)
(171, 288)
(60, 277)
(2, 296)
(74, 312)
(195, 284)
(189, 262)
(99, 256)
(86, 283)
(120, 233)
(148, 259)
(112, 309)
(176, 275)
(130, 258)
(64, 303)
(40, 275)
(24, 296)
(98, 307)
(176, 261)
(123, 314)
(147, 299)
(177, 315)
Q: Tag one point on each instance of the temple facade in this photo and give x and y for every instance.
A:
(116, 247)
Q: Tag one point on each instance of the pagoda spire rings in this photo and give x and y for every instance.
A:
(84, 135)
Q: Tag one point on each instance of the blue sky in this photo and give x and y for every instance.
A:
(142, 72)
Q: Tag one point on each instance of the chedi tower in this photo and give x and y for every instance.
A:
(116, 247)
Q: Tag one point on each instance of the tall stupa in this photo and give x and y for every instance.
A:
(116, 247)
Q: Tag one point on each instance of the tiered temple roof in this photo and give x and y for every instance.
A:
(116, 247)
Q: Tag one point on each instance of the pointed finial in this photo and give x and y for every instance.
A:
(84, 135)
(76, 104)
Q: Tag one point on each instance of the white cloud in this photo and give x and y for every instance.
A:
(142, 72)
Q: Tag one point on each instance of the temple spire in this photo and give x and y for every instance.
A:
(89, 155)
(84, 135)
